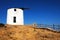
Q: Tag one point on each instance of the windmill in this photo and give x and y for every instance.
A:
(15, 16)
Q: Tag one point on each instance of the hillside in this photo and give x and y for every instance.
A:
(10, 32)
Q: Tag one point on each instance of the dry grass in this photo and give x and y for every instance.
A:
(11, 32)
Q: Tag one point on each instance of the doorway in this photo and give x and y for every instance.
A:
(14, 19)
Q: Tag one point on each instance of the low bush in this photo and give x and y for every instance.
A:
(2, 25)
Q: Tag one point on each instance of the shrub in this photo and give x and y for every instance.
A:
(2, 25)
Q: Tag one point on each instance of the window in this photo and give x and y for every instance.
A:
(14, 9)
(14, 19)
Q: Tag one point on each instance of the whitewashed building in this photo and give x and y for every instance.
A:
(15, 16)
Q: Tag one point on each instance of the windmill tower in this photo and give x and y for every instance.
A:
(15, 16)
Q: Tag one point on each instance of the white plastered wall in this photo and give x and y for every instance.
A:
(18, 14)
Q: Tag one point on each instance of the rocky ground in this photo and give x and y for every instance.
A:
(10, 32)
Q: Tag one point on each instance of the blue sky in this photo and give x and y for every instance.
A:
(40, 12)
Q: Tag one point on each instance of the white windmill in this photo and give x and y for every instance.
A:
(15, 16)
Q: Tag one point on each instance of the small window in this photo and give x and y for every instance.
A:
(14, 9)
(14, 19)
